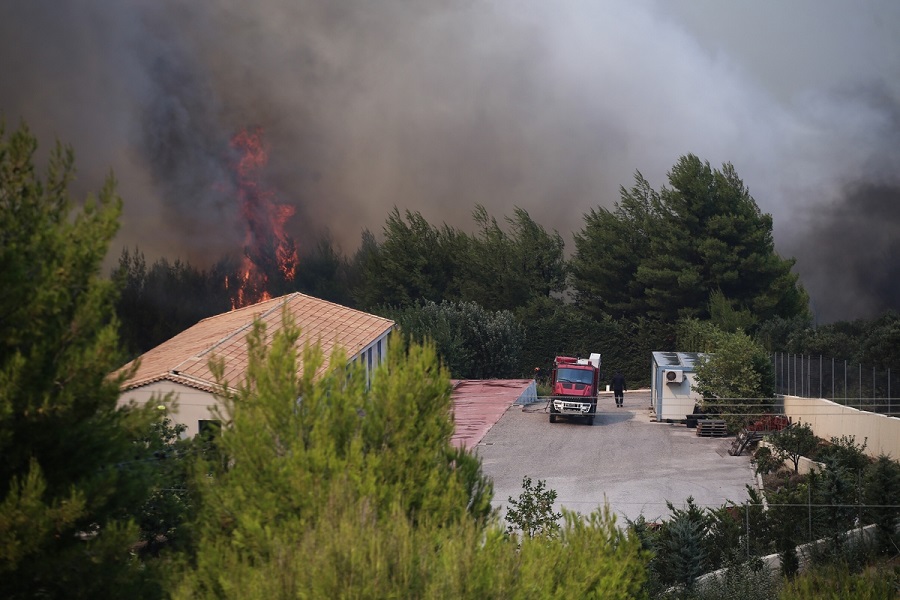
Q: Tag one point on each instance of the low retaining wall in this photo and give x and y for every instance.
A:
(804, 465)
(829, 419)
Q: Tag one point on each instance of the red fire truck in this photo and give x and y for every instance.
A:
(576, 384)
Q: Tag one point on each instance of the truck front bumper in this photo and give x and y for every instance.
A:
(568, 407)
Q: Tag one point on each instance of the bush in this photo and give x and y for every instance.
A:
(793, 442)
(532, 514)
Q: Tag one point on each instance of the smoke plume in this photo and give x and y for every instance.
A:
(436, 106)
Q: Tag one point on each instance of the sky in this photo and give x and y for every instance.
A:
(438, 106)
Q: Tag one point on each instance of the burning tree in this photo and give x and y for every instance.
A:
(270, 260)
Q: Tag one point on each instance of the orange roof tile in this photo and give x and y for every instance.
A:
(185, 358)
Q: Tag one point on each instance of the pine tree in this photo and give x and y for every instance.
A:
(332, 488)
(71, 475)
(665, 254)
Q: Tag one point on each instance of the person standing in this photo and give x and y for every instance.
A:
(619, 387)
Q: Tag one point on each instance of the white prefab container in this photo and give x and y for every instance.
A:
(671, 384)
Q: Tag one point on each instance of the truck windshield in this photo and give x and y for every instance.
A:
(575, 376)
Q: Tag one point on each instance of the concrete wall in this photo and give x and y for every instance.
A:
(189, 408)
(804, 465)
(829, 419)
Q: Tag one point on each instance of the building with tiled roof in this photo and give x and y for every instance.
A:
(181, 364)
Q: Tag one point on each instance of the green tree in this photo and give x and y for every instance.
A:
(664, 254)
(682, 550)
(335, 489)
(786, 520)
(165, 515)
(503, 271)
(532, 512)
(794, 442)
(160, 301)
(735, 375)
(611, 247)
(882, 488)
(416, 261)
(296, 445)
(472, 342)
(72, 474)
(325, 273)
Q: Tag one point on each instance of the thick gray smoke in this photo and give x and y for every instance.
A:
(437, 106)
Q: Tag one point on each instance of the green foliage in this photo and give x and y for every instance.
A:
(766, 461)
(165, 515)
(734, 375)
(844, 452)
(590, 558)
(882, 488)
(726, 317)
(503, 271)
(793, 442)
(332, 489)
(416, 261)
(836, 497)
(741, 580)
(554, 329)
(473, 343)
(532, 513)
(663, 254)
(500, 270)
(296, 446)
(776, 333)
(837, 581)
(611, 248)
(681, 552)
(71, 476)
(870, 342)
(325, 273)
(787, 518)
(162, 300)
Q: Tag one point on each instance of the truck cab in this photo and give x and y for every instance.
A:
(576, 384)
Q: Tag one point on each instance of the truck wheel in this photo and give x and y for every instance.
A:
(589, 419)
(552, 418)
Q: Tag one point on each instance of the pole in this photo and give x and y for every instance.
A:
(802, 375)
(809, 376)
(809, 509)
(820, 376)
(747, 522)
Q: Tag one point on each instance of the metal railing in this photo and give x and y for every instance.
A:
(850, 384)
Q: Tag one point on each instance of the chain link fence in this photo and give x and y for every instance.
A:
(850, 384)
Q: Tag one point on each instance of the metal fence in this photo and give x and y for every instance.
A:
(850, 384)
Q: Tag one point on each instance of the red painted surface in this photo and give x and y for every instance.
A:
(479, 404)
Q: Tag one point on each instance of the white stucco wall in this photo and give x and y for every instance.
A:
(829, 419)
(190, 406)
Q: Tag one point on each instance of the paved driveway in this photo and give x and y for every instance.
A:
(634, 464)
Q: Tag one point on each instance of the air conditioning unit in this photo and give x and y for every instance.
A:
(673, 376)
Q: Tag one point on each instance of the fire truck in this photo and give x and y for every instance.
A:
(576, 385)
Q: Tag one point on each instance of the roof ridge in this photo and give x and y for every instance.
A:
(341, 306)
(243, 328)
(231, 335)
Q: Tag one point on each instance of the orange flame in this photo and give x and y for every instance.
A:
(269, 253)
